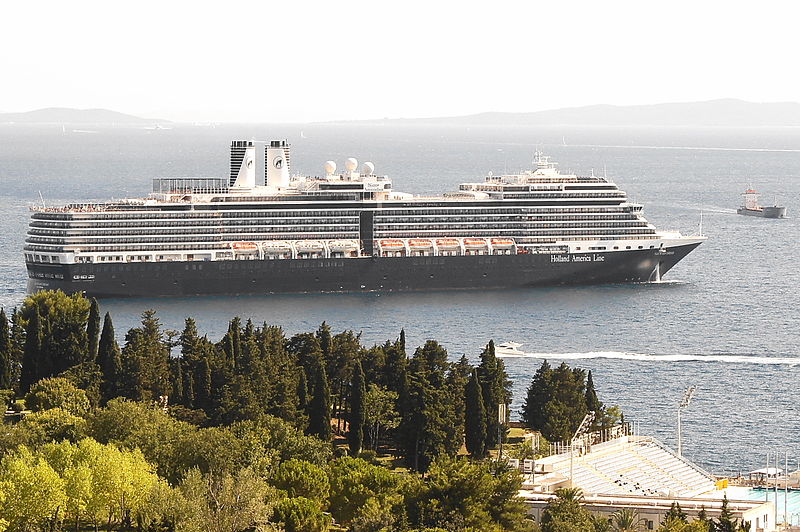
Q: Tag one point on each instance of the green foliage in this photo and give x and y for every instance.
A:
(380, 412)
(7, 361)
(299, 478)
(57, 393)
(49, 425)
(626, 520)
(355, 435)
(726, 522)
(109, 359)
(496, 389)
(319, 422)
(475, 418)
(230, 503)
(565, 514)
(145, 361)
(429, 419)
(355, 482)
(461, 494)
(299, 514)
(556, 401)
(33, 491)
(93, 330)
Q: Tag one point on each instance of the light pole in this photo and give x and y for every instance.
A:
(582, 429)
(687, 398)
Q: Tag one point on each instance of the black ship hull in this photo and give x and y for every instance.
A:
(153, 279)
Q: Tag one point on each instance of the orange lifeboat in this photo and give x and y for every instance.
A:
(502, 243)
(420, 243)
(447, 243)
(474, 243)
(244, 246)
(392, 243)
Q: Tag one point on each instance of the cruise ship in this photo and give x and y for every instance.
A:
(346, 231)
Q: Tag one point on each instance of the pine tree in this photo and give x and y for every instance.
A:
(319, 422)
(6, 355)
(475, 418)
(355, 436)
(109, 359)
(726, 522)
(93, 330)
(32, 355)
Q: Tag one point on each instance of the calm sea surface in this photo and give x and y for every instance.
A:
(726, 319)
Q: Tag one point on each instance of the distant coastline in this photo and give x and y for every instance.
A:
(711, 113)
(65, 115)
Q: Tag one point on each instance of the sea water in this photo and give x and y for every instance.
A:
(725, 319)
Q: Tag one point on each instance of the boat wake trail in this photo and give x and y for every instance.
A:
(646, 357)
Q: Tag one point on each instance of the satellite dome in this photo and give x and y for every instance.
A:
(368, 168)
(330, 167)
(351, 164)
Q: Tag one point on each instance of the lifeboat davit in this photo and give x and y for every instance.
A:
(420, 243)
(448, 243)
(244, 246)
(309, 246)
(502, 243)
(392, 243)
(475, 243)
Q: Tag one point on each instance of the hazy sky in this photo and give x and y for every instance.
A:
(305, 61)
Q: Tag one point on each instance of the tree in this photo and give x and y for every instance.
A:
(355, 482)
(460, 494)
(355, 435)
(299, 478)
(109, 359)
(33, 491)
(593, 404)
(57, 393)
(32, 363)
(145, 360)
(380, 412)
(300, 514)
(565, 514)
(475, 418)
(725, 522)
(556, 402)
(93, 330)
(6, 354)
(319, 422)
(626, 520)
(496, 389)
(428, 415)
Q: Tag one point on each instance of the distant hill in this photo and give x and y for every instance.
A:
(726, 112)
(64, 115)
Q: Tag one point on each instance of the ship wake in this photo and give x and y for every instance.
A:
(655, 358)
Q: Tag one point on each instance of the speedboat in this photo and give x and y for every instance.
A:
(508, 349)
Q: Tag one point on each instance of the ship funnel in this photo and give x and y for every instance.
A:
(277, 163)
(243, 164)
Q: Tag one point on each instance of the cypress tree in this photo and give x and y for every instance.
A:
(110, 361)
(319, 422)
(496, 392)
(6, 356)
(593, 404)
(93, 330)
(177, 381)
(302, 392)
(355, 435)
(32, 354)
(188, 389)
(203, 389)
(475, 418)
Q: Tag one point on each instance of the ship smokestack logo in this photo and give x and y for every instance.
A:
(278, 162)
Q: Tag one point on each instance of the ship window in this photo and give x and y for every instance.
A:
(627, 247)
